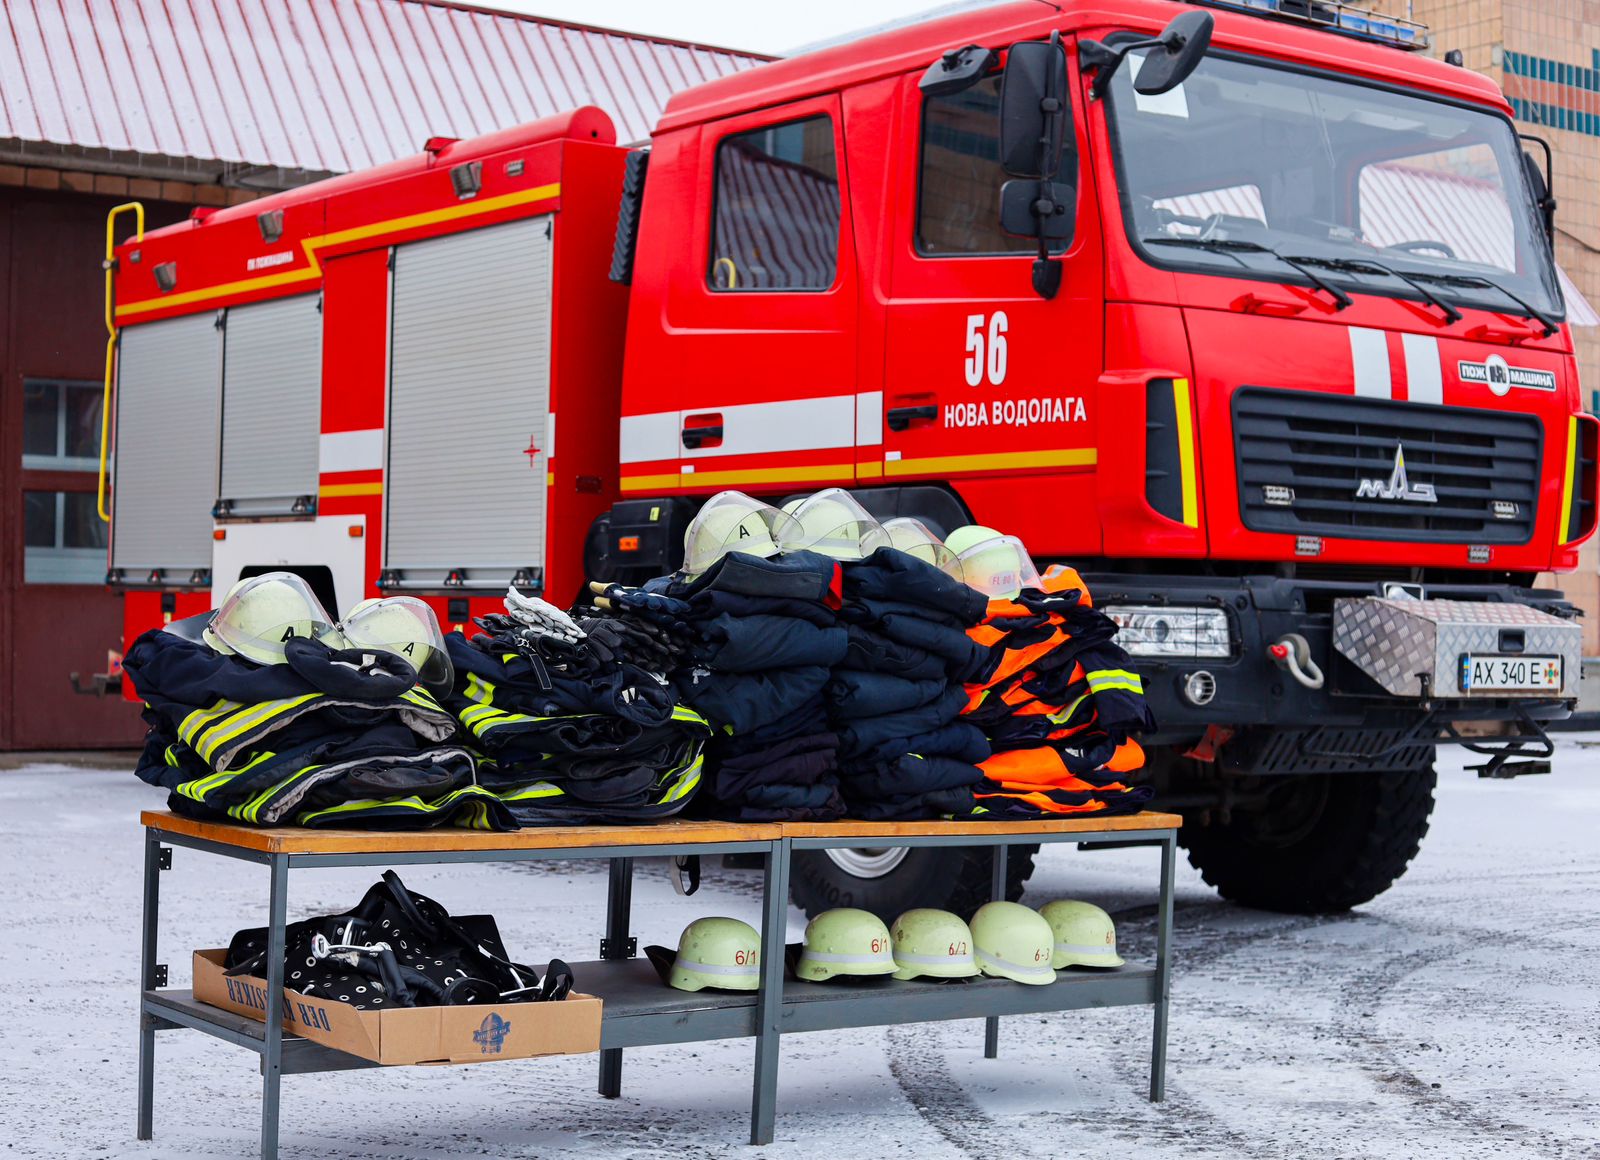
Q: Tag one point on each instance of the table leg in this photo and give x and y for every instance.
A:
(769, 1000)
(147, 982)
(619, 910)
(272, 1045)
(997, 891)
(1158, 1047)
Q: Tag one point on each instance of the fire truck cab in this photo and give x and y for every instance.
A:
(1249, 312)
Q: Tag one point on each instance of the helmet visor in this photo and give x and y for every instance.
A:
(407, 627)
(999, 568)
(734, 522)
(915, 538)
(263, 613)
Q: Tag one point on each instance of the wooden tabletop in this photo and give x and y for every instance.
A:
(296, 840)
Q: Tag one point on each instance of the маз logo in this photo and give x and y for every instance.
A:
(1397, 486)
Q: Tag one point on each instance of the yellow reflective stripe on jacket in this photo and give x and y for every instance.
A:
(686, 714)
(208, 738)
(411, 802)
(688, 778)
(479, 689)
(198, 719)
(200, 787)
(422, 699)
(1065, 715)
(250, 811)
(1102, 680)
(532, 791)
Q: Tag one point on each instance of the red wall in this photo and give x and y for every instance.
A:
(51, 245)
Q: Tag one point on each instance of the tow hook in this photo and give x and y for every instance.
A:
(1291, 653)
(100, 684)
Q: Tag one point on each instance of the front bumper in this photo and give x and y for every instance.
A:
(1265, 707)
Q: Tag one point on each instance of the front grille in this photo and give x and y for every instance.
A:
(1321, 447)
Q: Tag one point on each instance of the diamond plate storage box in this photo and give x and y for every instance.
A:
(1398, 643)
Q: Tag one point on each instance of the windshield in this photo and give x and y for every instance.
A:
(1247, 164)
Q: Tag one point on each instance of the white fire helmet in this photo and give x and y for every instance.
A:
(833, 523)
(262, 613)
(731, 521)
(405, 626)
(996, 565)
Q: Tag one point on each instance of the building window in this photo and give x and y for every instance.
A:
(775, 225)
(60, 425)
(64, 540)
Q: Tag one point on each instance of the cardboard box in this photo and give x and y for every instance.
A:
(469, 1034)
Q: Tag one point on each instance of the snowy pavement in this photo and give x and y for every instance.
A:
(1456, 1016)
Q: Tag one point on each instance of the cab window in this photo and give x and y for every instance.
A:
(959, 176)
(775, 221)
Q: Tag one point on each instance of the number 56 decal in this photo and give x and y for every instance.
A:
(976, 363)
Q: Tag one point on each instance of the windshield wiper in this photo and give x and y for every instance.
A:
(1368, 266)
(1236, 246)
(1528, 309)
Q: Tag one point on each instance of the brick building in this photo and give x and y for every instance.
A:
(182, 107)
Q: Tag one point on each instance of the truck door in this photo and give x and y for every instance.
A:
(986, 384)
(763, 314)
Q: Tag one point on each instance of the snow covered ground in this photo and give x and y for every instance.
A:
(1456, 1016)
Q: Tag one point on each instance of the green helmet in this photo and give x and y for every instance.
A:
(1013, 942)
(932, 944)
(845, 942)
(723, 953)
(1084, 935)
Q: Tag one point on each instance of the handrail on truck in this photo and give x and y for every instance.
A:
(111, 338)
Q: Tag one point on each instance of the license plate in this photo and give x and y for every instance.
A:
(1483, 674)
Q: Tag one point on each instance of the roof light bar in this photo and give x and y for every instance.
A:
(1337, 16)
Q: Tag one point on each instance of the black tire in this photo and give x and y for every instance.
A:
(954, 878)
(1324, 844)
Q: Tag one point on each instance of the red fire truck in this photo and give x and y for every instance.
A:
(1248, 311)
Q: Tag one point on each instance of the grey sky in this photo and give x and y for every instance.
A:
(758, 27)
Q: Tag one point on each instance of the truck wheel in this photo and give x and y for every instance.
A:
(890, 880)
(1322, 844)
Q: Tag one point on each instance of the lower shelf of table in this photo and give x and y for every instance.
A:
(641, 1011)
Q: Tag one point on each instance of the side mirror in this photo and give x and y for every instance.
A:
(1181, 46)
(1042, 209)
(1183, 43)
(1539, 182)
(1033, 107)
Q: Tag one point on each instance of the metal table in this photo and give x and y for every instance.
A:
(638, 1009)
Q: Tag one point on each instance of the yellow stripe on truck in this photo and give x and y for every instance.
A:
(1567, 479)
(1063, 457)
(1191, 491)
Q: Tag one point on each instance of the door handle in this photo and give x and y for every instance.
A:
(702, 431)
(899, 418)
(1270, 307)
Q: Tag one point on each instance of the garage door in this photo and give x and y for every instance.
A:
(271, 406)
(469, 396)
(168, 378)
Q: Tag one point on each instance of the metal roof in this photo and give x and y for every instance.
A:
(311, 87)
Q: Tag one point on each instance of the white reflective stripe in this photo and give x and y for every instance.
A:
(985, 957)
(1424, 372)
(819, 957)
(715, 968)
(782, 425)
(549, 436)
(350, 450)
(649, 437)
(933, 960)
(1081, 949)
(869, 418)
(1369, 359)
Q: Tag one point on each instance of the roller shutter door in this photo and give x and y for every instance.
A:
(271, 406)
(168, 379)
(469, 394)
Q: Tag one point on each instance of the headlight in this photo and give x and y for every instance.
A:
(1147, 631)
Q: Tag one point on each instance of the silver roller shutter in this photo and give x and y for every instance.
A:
(271, 406)
(168, 378)
(469, 393)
